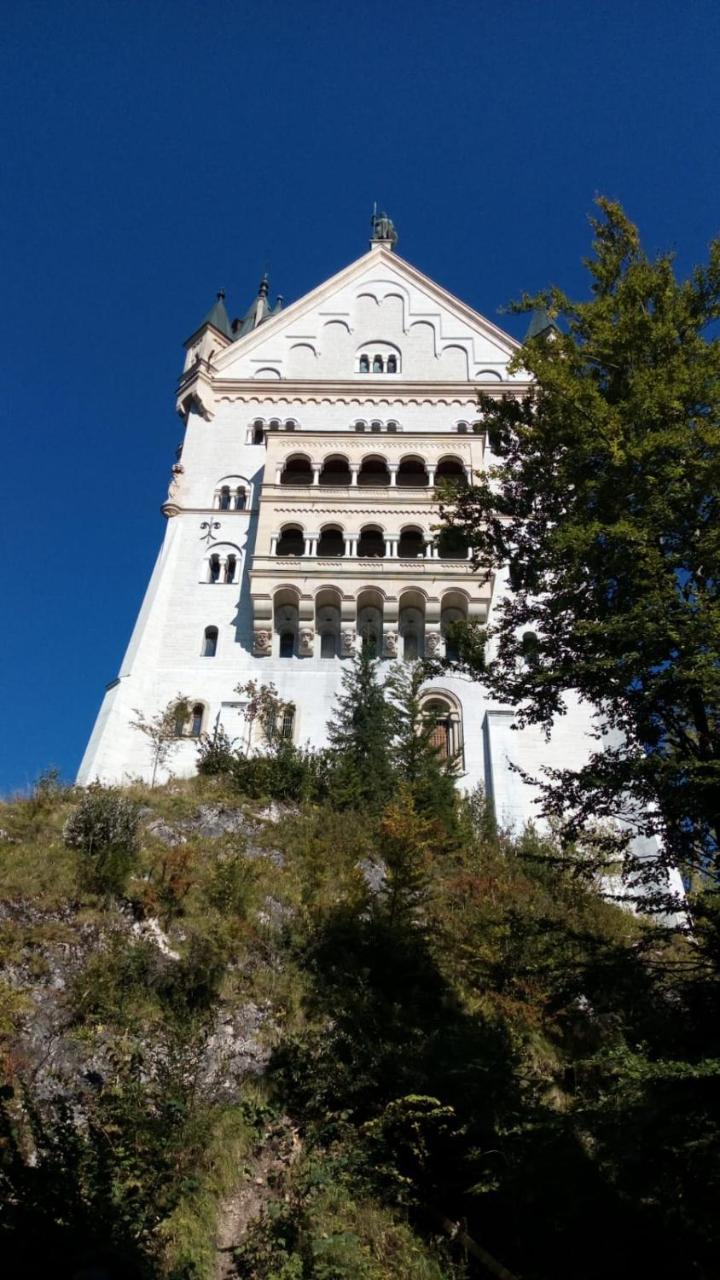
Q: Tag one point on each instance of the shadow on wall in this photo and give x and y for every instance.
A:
(243, 620)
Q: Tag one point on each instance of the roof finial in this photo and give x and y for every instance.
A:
(220, 295)
(383, 229)
(264, 286)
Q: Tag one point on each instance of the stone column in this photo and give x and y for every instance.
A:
(393, 469)
(310, 544)
(351, 541)
(316, 469)
(430, 468)
(278, 473)
(273, 543)
(391, 546)
(429, 545)
(354, 468)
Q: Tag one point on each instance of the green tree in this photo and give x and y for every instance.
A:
(360, 736)
(604, 505)
(418, 762)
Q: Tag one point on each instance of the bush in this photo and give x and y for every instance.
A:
(104, 830)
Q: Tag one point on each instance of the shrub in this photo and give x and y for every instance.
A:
(104, 830)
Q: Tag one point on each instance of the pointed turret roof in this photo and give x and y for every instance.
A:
(258, 311)
(218, 317)
(540, 323)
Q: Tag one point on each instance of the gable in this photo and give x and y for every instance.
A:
(379, 311)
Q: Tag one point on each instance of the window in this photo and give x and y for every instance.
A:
(462, 428)
(371, 543)
(369, 638)
(364, 365)
(214, 572)
(224, 502)
(258, 436)
(230, 568)
(291, 542)
(359, 426)
(392, 426)
(392, 364)
(328, 645)
(378, 364)
(196, 721)
(331, 542)
(297, 470)
(376, 427)
(287, 723)
(287, 644)
(241, 499)
(443, 714)
(210, 639)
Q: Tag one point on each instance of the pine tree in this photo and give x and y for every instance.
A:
(360, 736)
(419, 764)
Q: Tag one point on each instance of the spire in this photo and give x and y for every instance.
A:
(258, 311)
(383, 229)
(540, 324)
(218, 317)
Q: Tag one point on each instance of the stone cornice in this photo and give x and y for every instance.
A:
(360, 391)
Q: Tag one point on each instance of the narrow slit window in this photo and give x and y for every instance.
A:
(230, 568)
(287, 723)
(210, 639)
(197, 719)
(241, 499)
(392, 364)
(225, 498)
(214, 574)
(377, 364)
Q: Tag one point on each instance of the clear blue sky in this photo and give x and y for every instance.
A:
(155, 151)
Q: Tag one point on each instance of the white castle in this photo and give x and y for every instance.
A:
(302, 523)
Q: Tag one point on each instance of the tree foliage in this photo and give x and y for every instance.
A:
(603, 504)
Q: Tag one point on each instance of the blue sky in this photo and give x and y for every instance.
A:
(156, 151)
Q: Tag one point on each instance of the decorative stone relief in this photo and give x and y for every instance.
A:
(432, 643)
(391, 644)
(307, 642)
(347, 648)
(262, 643)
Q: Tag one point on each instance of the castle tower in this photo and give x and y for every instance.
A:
(302, 520)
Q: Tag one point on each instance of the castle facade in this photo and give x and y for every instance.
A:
(302, 523)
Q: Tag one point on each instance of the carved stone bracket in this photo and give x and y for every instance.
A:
(307, 642)
(262, 644)
(347, 644)
(390, 641)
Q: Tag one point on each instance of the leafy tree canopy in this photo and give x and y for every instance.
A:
(602, 500)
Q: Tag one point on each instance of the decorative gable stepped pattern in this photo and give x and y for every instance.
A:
(303, 520)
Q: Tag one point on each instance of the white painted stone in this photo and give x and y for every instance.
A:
(302, 367)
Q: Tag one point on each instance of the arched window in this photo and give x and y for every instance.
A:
(370, 622)
(412, 474)
(258, 436)
(241, 499)
(371, 542)
(291, 541)
(392, 426)
(454, 611)
(443, 713)
(452, 470)
(376, 427)
(373, 473)
(335, 470)
(411, 545)
(359, 426)
(286, 622)
(230, 568)
(411, 625)
(290, 426)
(196, 720)
(364, 365)
(214, 569)
(392, 364)
(462, 428)
(452, 544)
(377, 364)
(297, 470)
(224, 503)
(331, 542)
(210, 639)
(287, 644)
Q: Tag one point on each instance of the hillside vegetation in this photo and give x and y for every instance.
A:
(314, 1017)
